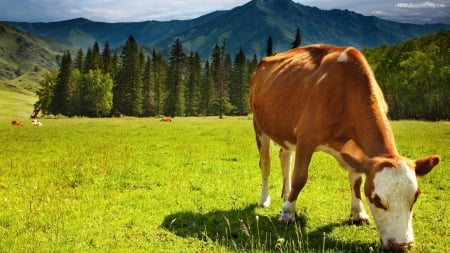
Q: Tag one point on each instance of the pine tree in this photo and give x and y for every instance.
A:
(298, 39)
(148, 89)
(269, 50)
(107, 60)
(193, 85)
(252, 65)
(127, 91)
(159, 77)
(174, 104)
(239, 84)
(221, 70)
(93, 59)
(76, 96)
(208, 97)
(79, 59)
(78, 93)
(60, 101)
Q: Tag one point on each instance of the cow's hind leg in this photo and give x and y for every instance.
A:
(298, 181)
(285, 160)
(358, 214)
(263, 142)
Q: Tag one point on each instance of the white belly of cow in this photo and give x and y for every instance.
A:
(324, 148)
(327, 149)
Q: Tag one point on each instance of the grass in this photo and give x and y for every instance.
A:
(141, 185)
(17, 98)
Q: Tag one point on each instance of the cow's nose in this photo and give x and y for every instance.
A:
(392, 245)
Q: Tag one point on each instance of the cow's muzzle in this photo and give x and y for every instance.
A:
(392, 245)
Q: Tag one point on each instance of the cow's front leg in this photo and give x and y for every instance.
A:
(263, 142)
(358, 214)
(298, 181)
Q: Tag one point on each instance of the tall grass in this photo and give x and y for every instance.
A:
(141, 185)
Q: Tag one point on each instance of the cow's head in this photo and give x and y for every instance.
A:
(391, 188)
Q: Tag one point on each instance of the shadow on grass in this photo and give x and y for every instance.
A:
(244, 230)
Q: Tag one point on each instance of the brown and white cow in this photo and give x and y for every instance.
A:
(325, 98)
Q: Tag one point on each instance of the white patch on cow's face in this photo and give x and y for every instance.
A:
(343, 57)
(394, 193)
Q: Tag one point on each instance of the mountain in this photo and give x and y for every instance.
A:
(247, 26)
(22, 52)
(24, 58)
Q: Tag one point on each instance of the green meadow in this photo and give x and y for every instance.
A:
(192, 185)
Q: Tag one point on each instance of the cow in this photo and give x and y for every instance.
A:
(17, 122)
(36, 122)
(166, 119)
(326, 98)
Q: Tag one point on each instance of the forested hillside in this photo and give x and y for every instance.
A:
(415, 76)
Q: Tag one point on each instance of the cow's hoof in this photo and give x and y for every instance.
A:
(288, 213)
(264, 202)
(287, 219)
(358, 218)
(358, 222)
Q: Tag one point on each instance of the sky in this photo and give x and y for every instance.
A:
(410, 11)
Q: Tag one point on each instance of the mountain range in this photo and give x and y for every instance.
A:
(247, 27)
(23, 53)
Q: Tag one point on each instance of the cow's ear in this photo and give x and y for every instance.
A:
(425, 165)
(354, 156)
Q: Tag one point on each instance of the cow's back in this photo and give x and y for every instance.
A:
(313, 89)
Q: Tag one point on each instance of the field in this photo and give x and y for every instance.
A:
(141, 185)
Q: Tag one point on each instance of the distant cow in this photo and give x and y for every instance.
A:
(166, 119)
(17, 122)
(36, 122)
(325, 98)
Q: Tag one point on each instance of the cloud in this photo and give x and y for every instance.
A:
(426, 4)
(428, 11)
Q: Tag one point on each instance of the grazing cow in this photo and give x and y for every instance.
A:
(17, 122)
(325, 98)
(36, 122)
(166, 119)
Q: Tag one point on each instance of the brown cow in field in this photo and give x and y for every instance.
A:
(17, 122)
(166, 119)
(325, 98)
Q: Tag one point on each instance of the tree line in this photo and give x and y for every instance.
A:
(414, 77)
(101, 83)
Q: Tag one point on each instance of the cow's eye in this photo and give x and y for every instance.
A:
(377, 202)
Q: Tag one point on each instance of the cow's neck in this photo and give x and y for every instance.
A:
(374, 134)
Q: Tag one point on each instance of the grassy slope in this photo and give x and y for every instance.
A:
(16, 102)
(24, 59)
(141, 185)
